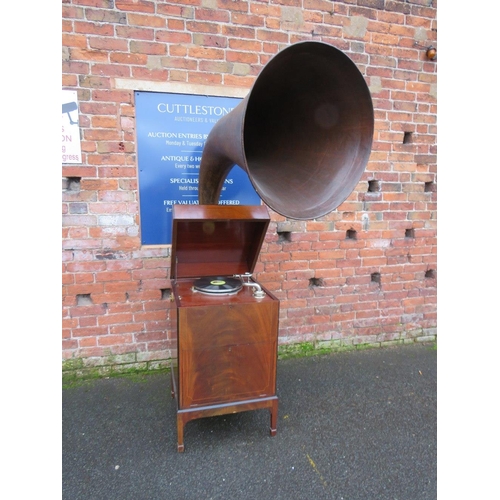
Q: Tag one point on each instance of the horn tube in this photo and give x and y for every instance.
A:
(303, 134)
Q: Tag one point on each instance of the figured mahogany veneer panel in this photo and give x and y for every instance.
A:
(214, 326)
(227, 353)
(233, 373)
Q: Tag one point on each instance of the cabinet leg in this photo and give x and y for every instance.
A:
(274, 418)
(180, 434)
(172, 384)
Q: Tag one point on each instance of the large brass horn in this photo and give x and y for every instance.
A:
(303, 133)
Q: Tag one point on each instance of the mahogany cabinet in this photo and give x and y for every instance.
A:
(226, 343)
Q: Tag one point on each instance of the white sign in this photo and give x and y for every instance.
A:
(71, 151)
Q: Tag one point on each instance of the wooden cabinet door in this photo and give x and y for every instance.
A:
(227, 353)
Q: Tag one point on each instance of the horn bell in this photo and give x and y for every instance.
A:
(303, 134)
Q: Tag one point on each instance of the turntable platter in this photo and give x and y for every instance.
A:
(218, 285)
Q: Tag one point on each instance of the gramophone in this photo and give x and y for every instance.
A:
(303, 134)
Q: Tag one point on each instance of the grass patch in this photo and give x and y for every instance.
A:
(301, 350)
(77, 372)
(81, 377)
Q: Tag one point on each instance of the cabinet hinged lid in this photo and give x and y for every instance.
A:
(216, 240)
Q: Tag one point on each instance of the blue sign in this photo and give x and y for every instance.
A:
(171, 133)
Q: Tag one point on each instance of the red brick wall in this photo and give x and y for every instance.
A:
(377, 287)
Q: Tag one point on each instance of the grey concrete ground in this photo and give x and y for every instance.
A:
(352, 425)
